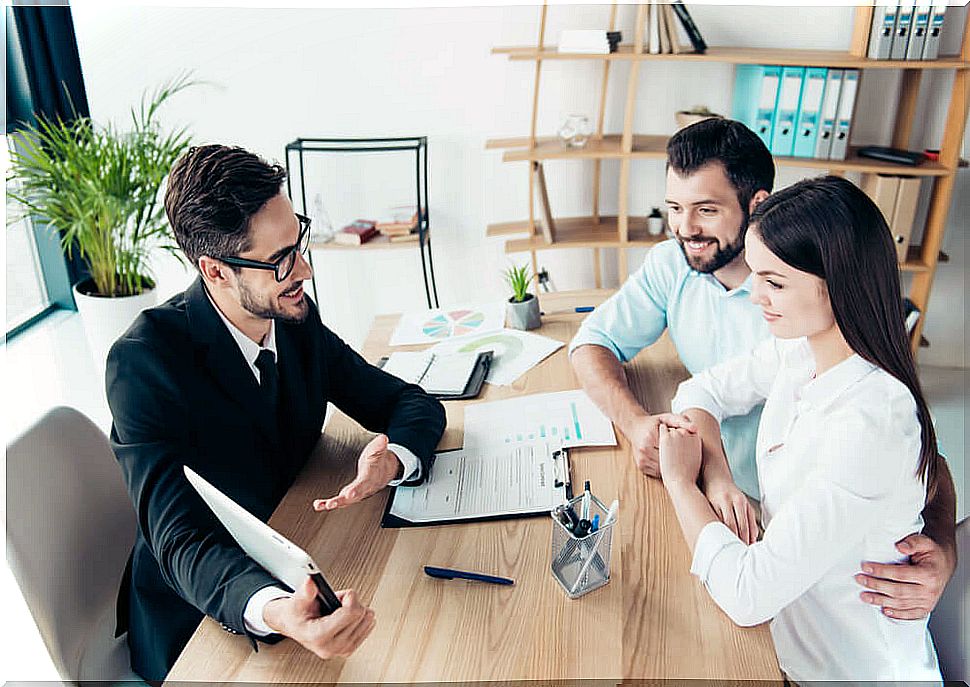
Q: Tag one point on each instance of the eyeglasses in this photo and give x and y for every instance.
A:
(284, 264)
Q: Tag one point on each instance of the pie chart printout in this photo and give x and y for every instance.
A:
(453, 323)
(444, 324)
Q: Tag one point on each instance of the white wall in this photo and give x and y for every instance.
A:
(277, 74)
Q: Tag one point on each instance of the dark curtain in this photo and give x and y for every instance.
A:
(44, 75)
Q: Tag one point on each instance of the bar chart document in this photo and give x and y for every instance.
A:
(564, 418)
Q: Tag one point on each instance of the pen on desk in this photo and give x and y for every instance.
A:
(449, 574)
(586, 501)
(585, 308)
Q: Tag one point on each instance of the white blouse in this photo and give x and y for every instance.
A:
(836, 459)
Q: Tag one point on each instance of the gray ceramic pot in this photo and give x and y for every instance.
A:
(524, 315)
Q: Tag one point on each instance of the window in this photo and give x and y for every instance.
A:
(26, 295)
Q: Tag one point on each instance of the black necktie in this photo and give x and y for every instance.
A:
(269, 380)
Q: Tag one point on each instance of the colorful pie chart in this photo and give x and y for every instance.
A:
(453, 323)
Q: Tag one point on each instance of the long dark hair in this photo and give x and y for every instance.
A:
(828, 227)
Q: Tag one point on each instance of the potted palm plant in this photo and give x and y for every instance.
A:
(522, 310)
(98, 186)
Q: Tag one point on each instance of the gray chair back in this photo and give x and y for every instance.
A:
(948, 622)
(70, 528)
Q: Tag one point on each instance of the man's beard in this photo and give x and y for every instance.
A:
(267, 309)
(721, 258)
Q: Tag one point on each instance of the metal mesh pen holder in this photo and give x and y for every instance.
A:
(582, 565)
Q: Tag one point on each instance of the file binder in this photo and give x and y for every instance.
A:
(840, 138)
(789, 96)
(806, 129)
(931, 47)
(882, 188)
(904, 214)
(881, 35)
(755, 97)
(829, 112)
(904, 22)
(917, 35)
(747, 94)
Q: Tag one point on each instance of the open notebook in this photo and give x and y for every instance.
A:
(438, 374)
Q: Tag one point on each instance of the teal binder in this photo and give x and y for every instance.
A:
(789, 98)
(755, 97)
(747, 92)
(806, 131)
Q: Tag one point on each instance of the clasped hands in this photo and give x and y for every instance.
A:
(668, 446)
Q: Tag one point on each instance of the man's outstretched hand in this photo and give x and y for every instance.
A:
(375, 468)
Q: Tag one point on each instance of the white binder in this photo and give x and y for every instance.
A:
(904, 22)
(931, 48)
(830, 110)
(917, 35)
(840, 141)
(881, 34)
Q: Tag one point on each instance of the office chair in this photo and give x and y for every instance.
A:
(949, 621)
(70, 527)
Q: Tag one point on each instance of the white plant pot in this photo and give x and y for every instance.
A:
(106, 319)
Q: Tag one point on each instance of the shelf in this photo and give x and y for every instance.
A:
(655, 147)
(378, 242)
(779, 56)
(584, 232)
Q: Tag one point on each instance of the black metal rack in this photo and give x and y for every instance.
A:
(416, 144)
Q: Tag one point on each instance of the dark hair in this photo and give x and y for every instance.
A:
(746, 161)
(828, 227)
(213, 192)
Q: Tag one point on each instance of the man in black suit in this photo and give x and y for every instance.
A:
(232, 378)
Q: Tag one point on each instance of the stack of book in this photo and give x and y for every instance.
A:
(356, 233)
(909, 31)
(671, 30)
(797, 111)
(400, 231)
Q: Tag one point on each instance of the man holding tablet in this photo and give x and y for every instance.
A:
(232, 378)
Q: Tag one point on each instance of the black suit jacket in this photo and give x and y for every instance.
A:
(181, 393)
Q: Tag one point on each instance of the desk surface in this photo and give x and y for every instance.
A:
(653, 620)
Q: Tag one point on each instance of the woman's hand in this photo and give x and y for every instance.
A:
(680, 456)
(733, 509)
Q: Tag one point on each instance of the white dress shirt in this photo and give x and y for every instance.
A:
(836, 461)
(253, 613)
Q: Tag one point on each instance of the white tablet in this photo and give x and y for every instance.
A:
(282, 558)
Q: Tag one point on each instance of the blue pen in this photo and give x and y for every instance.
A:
(596, 523)
(585, 308)
(449, 574)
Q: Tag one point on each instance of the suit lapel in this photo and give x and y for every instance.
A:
(224, 361)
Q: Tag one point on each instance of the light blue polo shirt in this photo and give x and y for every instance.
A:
(707, 324)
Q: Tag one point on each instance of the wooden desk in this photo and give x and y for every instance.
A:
(653, 620)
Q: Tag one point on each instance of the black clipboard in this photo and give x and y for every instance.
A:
(474, 386)
(563, 478)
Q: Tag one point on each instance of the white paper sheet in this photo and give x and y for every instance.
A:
(433, 326)
(472, 483)
(567, 417)
(514, 351)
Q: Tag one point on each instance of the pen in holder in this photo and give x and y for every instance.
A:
(582, 564)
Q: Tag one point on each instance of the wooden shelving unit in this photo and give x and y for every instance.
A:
(623, 231)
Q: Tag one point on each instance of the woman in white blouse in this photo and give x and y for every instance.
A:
(846, 452)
